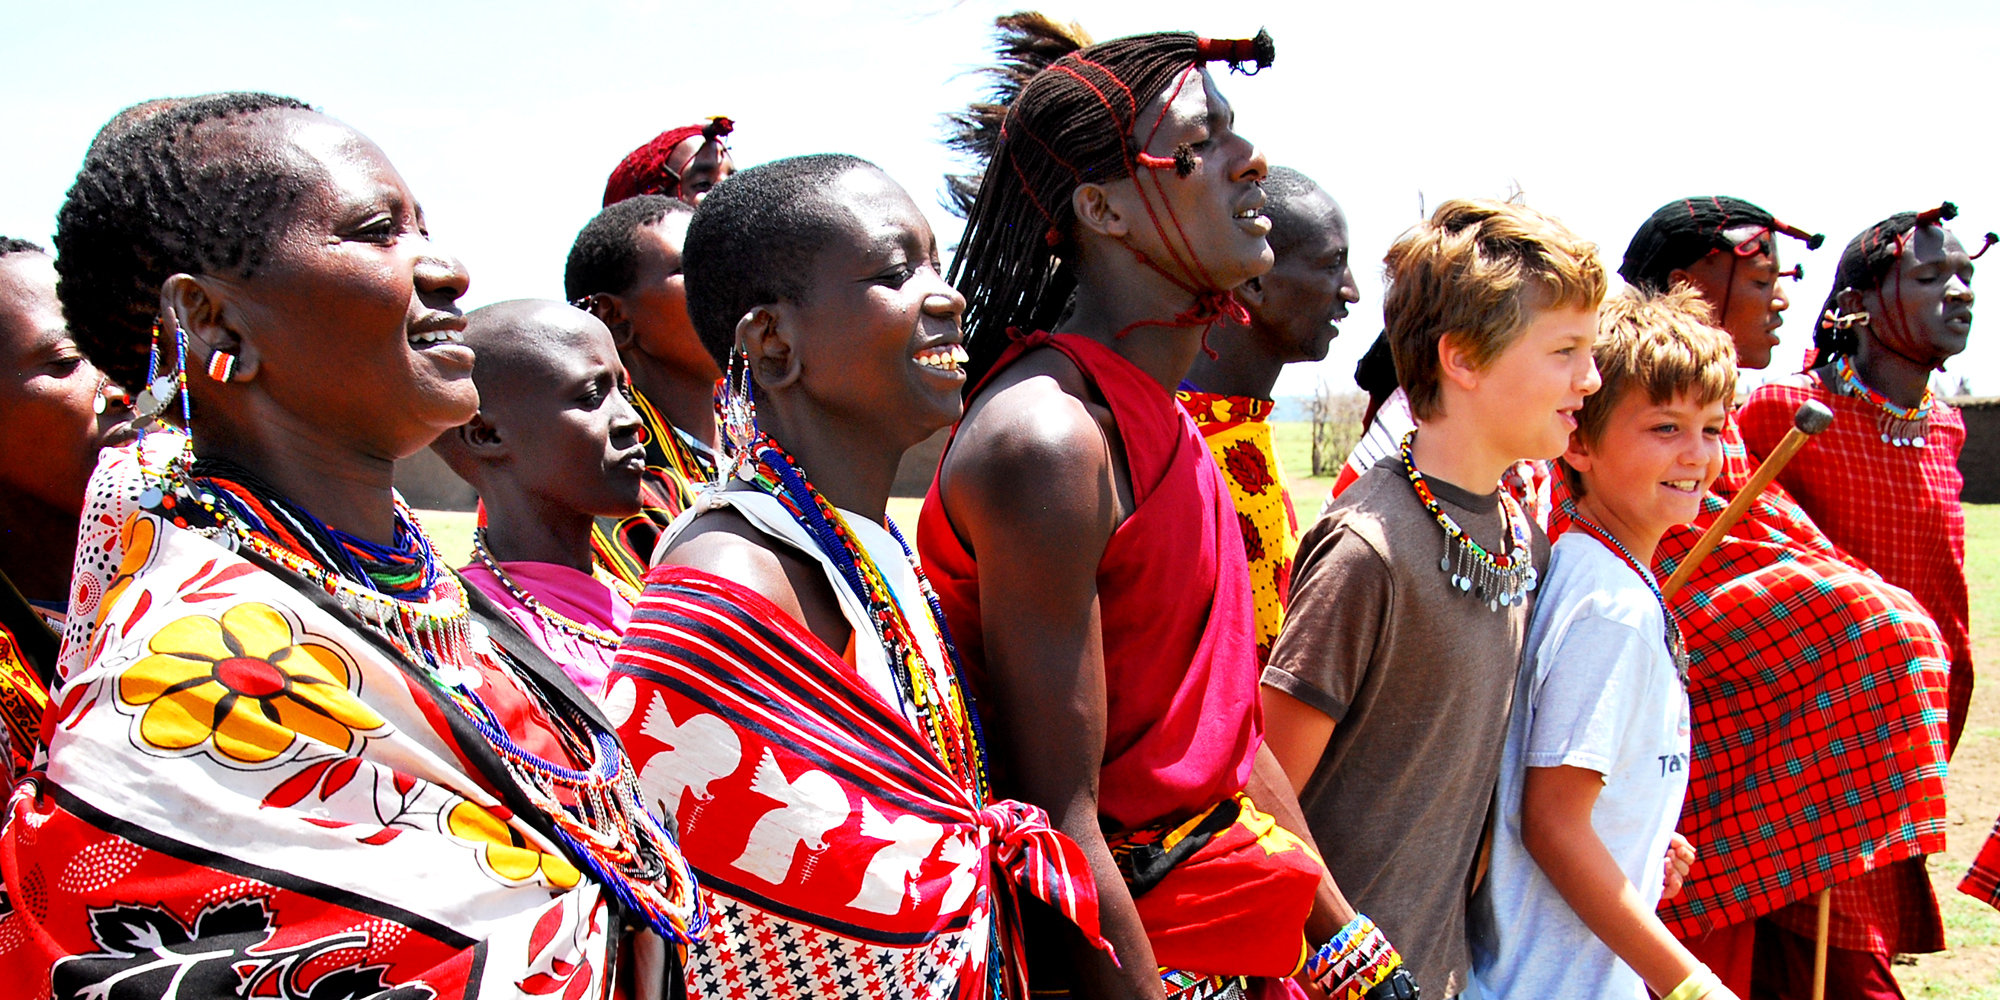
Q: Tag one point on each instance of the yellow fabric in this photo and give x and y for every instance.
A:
(1239, 439)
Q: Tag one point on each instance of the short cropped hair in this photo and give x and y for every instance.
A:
(754, 239)
(1473, 272)
(10, 245)
(1661, 343)
(605, 256)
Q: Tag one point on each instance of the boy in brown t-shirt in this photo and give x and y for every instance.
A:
(1387, 694)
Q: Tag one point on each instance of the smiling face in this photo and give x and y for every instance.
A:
(1650, 465)
(656, 304)
(1923, 309)
(49, 392)
(1745, 297)
(352, 320)
(1297, 305)
(877, 336)
(555, 401)
(1527, 398)
(1215, 232)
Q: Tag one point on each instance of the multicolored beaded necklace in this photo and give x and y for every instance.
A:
(1499, 580)
(1900, 427)
(1676, 644)
(549, 616)
(598, 812)
(944, 716)
(690, 466)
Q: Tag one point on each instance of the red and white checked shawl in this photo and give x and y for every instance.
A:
(1817, 702)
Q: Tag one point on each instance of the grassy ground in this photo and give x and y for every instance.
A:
(1971, 969)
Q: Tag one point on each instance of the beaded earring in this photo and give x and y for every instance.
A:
(221, 365)
(738, 408)
(161, 388)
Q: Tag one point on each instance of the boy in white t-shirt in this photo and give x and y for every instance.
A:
(1595, 765)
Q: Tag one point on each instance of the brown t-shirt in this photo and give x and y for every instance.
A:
(1418, 678)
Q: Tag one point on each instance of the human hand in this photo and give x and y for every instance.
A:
(1680, 858)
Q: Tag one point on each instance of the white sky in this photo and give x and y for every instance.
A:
(506, 117)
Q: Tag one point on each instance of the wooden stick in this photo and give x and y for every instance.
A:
(1812, 417)
(1819, 944)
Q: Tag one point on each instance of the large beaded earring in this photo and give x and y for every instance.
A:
(739, 419)
(161, 387)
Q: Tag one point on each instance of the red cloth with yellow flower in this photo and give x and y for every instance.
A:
(247, 793)
(1238, 433)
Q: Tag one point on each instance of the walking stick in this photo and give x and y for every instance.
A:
(1812, 417)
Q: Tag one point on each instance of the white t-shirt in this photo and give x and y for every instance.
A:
(1599, 690)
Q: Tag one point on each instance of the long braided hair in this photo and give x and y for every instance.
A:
(158, 195)
(1062, 113)
(1864, 266)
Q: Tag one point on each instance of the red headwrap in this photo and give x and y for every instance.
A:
(645, 170)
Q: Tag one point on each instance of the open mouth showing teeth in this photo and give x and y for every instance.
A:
(1682, 485)
(946, 358)
(437, 337)
(1248, 213)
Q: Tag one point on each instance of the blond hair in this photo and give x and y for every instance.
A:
(1474, 272)
(1661, 343)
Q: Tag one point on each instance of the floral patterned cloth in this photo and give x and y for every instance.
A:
(247, 794)
(1239, 436)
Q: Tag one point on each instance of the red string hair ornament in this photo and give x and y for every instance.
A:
(646, 170)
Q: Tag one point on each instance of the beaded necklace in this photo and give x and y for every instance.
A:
(1499, 580)
(596, 812)
(945, 717)
(689, 465)
(1900, 427)
(1676, 644)
(549, 616)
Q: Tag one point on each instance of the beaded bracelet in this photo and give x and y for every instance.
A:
(1355, 961)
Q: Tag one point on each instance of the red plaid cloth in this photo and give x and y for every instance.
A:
(1896, 509)
(1818, 709)
(1982, 882)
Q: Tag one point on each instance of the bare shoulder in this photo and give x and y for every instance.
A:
(1034, 437)
(722, 543)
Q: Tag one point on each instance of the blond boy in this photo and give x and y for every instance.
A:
(1386, 696)
(1596, 760)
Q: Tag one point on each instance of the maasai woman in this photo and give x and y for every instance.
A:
(835, 803)
(625, 269)
(285, 757)
(555, 448)
(685, 163)
(1883, 483)
(1293, 311)
(1798, 654)
(1107, 607)
(56, 411)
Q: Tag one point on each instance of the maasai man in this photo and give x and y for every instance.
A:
(1387, 695)
(685, 163)
(1106, 608)
(56, 411)
(287, 759)
(1883, 482)
(1293, 309)
(1795, 648)
(625, 269)
(804, 714)
(554, 446)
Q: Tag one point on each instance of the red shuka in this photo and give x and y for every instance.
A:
(1182, 717)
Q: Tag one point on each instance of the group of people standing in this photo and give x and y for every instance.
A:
(696, 718)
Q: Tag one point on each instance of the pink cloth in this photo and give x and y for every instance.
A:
(1183, 719)
(576, 596)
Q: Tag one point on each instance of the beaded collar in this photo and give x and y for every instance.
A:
(1676, 644)
(549, 616)
(946, 718)
(597, 813)
(1900, 427)
(1499, 580)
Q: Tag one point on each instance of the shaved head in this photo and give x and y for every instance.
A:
(521, 339)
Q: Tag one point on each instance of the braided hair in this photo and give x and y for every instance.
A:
(1684, 231)
(1069, 123)
(1866, 262)
(158, 197)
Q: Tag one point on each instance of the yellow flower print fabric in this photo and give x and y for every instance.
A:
(1238, 434)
